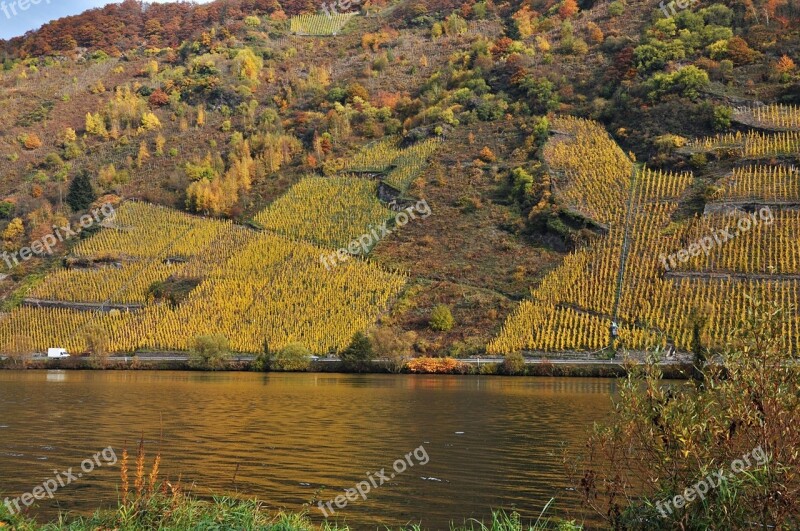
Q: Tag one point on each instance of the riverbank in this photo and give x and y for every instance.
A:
(569, 368)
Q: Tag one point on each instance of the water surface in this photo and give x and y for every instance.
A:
(294, 439)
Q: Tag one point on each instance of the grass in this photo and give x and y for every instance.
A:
(230, 514)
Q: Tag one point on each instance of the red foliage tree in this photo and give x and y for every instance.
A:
(158, 98)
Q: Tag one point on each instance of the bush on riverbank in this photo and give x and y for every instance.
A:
(264, 364)
(293, 357)
(210, 352)
(426, 365)
(719, 452)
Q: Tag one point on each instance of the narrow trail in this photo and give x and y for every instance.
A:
(625, 243)
(729, 275)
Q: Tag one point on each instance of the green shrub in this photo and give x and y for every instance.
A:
(616, 8)
(293, 357)
(687, 82)
(6, 209)
(488, 368)
(699, 161)
(210, 352)
(441, 319)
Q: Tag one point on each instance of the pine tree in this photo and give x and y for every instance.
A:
(81, 194)
(359, 352)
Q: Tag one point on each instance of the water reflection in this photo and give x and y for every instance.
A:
(56, 376)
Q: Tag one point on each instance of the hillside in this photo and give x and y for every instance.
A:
(281, 177)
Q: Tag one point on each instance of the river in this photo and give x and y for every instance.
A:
(294, 439)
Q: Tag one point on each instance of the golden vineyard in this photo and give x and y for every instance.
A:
(753, 145)
(252, 287)
(773, 116)
(573, 307)
(319, 25)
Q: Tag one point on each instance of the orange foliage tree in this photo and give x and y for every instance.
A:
(785, 65)
(568, 9)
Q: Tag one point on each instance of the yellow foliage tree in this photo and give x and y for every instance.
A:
(69, 136)
(152, 68)
(126, 107)
(542, 44)
(160, 143)
(143, 155)
(13, 233)
(150, 122)
(525, 20)
(95, 125)
(248, 65)
(201, 116)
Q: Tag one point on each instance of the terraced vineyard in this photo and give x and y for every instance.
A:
(376, 157)
(252, 288)
(125, 284)
(774, 116)
(573, 307)
(400, 166)
(140, 230)
(319, 25)
(410, 163)
(770, 243)
(759, 183)
(328, 211)
(590, 170)
(276, 290)
(753, 145)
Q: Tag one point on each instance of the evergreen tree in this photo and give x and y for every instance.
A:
(359, 353)
(81, 194)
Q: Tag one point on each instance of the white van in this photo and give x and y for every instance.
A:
(57, 353)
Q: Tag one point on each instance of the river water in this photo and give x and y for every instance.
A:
(295, 439)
